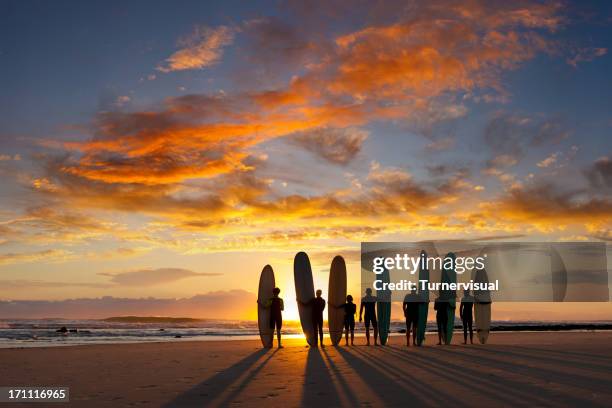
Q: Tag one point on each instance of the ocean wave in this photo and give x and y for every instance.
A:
(49, 332)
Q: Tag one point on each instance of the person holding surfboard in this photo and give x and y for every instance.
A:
(318, 305)
(368, 303)
(465, 312)
(411, 313)
(276, 306)
(441, 308)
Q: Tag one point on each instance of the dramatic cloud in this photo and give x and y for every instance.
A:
(152, 277)
(204, 47)
(196, 162)
(401, 71)
(441, 47)
(338, 146)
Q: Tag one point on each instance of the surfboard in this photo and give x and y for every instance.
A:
(424, 302)
(304, 292)
(482, 307)
(559, 275)
(449, 275)
(384, 309)
(336, 292)
(266, 285)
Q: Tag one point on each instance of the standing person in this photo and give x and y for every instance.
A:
(318, 305)
(411, 313)
(441, 308)
(368, 302)
(349, 319)
(465, 312)
(317, 315)
(276, 306)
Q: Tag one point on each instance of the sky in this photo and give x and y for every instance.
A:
(155, 151)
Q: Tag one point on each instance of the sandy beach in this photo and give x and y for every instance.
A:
(528, 369)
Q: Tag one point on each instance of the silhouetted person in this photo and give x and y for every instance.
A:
(441, 309)
(465, 312)
(411, 313)
(318, 305)
(276, 306)
(368, 302)
(349, 319)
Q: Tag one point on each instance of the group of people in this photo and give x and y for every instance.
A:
(441, 306)
(367, 314)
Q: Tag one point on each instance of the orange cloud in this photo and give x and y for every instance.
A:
(380, 72)
(549, 206)
(192, 164)
(441, 48)
(204, 47)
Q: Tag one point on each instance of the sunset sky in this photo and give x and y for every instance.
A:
(167, 151)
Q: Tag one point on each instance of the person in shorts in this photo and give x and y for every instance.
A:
(276, 306)
(411, 313)
(368, 303)
(465, 312)
(349, 319)
(441, 308)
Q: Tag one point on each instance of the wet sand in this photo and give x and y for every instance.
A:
(525, 369)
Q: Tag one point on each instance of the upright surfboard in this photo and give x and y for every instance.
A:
(383, 308)
(559, 275)
(449, 275)
(266, 285)
(336, 293)
(423, 300)
(482, 307)
(304, 292)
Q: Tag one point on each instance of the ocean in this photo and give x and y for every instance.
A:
(44, 332)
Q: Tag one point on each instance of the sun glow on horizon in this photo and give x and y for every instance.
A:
(221, 144)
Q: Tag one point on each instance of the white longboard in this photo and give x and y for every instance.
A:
(304, 292)
(482, 308)
(266, 285)
(336, 296)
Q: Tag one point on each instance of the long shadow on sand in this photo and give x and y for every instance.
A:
(560, 375)
(222, 388)
(565, 353)
(599, 365)
(605, 361)
(318, 383)
(464, 379)
(461, 370)
(343, 388)
(385, 381)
